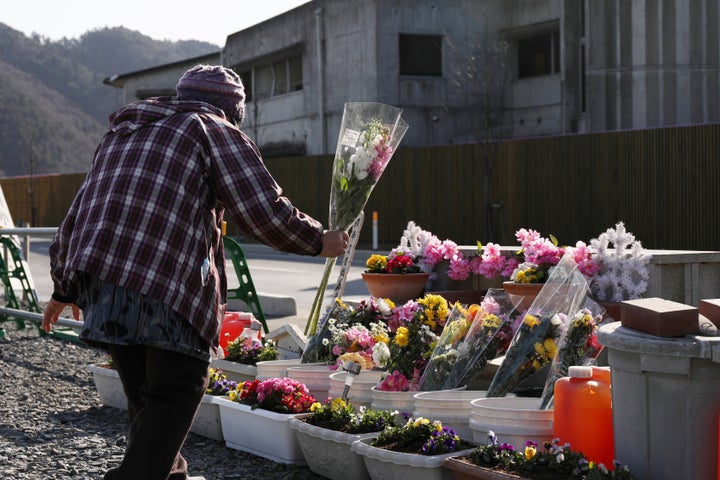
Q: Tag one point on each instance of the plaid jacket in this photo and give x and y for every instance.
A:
(150, 209)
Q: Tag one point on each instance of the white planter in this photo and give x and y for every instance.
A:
(260, 432)
(275, 368)
(514, 420)
(388, 465)
(235, 371)
(328, 452)
(207, 420)
(360, 392)
(452, 407)
(403, 402)
(315, 377)
(109, 386)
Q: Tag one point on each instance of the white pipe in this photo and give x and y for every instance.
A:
(62, 322)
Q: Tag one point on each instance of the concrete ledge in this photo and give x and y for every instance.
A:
(272, 305)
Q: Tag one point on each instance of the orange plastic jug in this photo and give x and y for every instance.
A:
(582, 413)
(233, 325)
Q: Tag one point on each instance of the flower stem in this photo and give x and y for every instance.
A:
(311, 326)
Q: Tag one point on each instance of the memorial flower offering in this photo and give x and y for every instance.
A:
(282, 395)
(342, 416)
(578, 347)
(535, 343)
(369, 135)
(488, 337)
(421, 436)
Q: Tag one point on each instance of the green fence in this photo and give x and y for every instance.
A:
(663, 183)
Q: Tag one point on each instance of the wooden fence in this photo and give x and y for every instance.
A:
(662, 183)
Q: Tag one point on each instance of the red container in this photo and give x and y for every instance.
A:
(233, 325)
(583, 413)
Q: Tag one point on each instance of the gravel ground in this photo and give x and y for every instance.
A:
(53, 426)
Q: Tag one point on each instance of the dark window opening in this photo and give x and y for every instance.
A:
(539, 55)
(421, 55)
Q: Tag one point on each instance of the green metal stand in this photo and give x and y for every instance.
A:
(246, 291)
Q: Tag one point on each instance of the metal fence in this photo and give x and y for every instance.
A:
(662, 183)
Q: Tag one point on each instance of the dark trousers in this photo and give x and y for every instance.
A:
(164, 390)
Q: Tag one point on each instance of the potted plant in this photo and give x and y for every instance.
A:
(414, 450)
(255, 416)
(207, 419)
(503, 462)
(396, 276)
(242, 356)
(327, 433)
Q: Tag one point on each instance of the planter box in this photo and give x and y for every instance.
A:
(465, 470)
(385, 464)
(328, 452)
(109, 386)
(260, 432)
(235, 371)
(207, 420)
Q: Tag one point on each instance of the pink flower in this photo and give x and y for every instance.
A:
(583, 257)
(395, 382)
(402, 315)
(459, 267)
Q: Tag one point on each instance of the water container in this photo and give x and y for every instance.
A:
(233, 325)
(583, 413)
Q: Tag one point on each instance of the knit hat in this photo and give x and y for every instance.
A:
(216, 85)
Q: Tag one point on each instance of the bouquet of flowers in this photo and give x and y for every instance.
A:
(535, 343)
(283, 395)
(369, 135)
(488, 336)
(414, 329)
(355, 342)
(421, 436)
(578, 347)
(445, 354)
(341, 416)
(219, 384)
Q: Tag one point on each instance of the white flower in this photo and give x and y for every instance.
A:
(383, 307)
(380, 354)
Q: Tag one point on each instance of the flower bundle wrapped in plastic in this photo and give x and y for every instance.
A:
(369, 135)
(357, 339)
(535, 343)
(488, 337)
(446, 353)
(414, 329)
(578, 347)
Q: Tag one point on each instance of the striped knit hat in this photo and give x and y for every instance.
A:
(216, 85)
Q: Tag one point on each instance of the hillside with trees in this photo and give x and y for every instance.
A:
(54, 104)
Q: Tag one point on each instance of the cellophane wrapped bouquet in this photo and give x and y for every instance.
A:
(489, 329)
(535, 343)
(369, 135)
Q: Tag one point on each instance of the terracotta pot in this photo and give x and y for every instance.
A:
(463, 469)
(522, 294)
(399, 287)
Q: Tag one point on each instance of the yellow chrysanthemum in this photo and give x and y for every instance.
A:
(491, 321)
(402, 340)
(376, 263)
(531, 321)
(381, 338)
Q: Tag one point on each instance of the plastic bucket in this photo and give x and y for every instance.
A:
(514, 420)
(360, 393)
(452, 407)
(315, 377)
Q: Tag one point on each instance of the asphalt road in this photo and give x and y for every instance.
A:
(286, 284)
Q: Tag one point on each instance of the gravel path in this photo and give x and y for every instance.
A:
(53, 426)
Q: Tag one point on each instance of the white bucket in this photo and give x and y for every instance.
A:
(514, 420)
(452, 407)
(360, 393)
(315, 377)
(403, 402)
(275, 368)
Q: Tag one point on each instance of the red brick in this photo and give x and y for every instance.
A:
(710, 308)
(659, 317)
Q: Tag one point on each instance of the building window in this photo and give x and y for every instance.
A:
(539, 55)
(421, 55)
(278, 77)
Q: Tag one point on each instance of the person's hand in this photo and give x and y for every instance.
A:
(335, 243)
(53, 310)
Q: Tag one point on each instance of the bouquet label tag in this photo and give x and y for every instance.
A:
(350, 137)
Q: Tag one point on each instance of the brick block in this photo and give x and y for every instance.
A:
(710, 308)
(659, 317)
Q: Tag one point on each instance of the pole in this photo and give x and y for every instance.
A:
(375, 231)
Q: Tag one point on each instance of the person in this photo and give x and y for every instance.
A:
(140, 252)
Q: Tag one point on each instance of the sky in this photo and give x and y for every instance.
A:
(210, 20)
